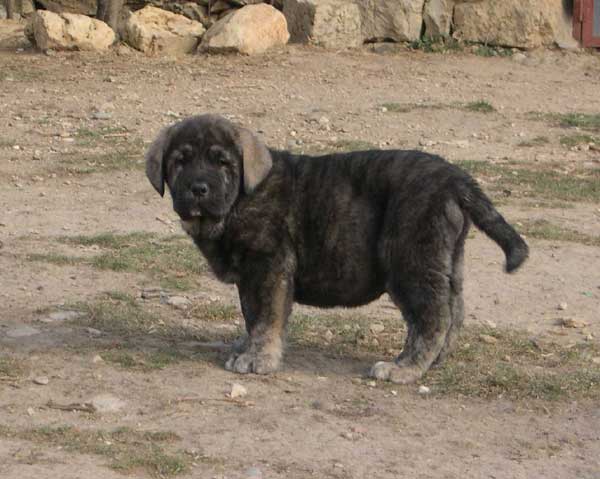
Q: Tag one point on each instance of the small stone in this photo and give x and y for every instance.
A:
(101, 115)
(22, 332)
(371, 384)
(423, 390)
(59, 316)
(384, 109)
(519, 57)
(348, 435)
(97, 359)
(328, 335)
(393, 392)
(30, 411)
(107, 403)
(150, 293)
(377, 328)
(93, 331)
(41, 380)
(487, 339)
(562, 307)
(596, 360)
(237, 391)
(37, 155)
(179, 302)
(490, 324)
(572, 323)
(254, 473)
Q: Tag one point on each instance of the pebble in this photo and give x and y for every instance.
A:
(328, 335)
(179, 302)
(254, 473)
(41, 380)
(487, 339)
(237, 391)
(150, 293)
(30, 411)
(519, 57)
(93, 331)
(22, 332)
(571, 323)
(377, 328)
(562, 306)
(106, 403)
(423, 390)
(596, 360)
(59, 316)
(371, 384)
(97, 359)
(101, 115)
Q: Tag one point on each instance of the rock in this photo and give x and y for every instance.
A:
(562, 306)
(60, 316)
(513, 23)
(398, 20)
(437, 15)
(377, 328)
(82, 7)
(97, 359)
(30, 411)
(328, 336)
(69, 31)
(158, 32)
(101, 115)
(21, 332)
(519, 57)
(250, 30)
(151, 293)
(423, 390)
(41, 380)
(487, 339)
(179, 302)
(596, 360)
(327, 23)
(572, 323)
(237, 391)
(107, 403)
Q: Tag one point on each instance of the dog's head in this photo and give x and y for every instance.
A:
(207, 162)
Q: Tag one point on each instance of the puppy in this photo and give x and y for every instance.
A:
(332, 230)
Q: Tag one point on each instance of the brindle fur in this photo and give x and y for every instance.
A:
(333, 230)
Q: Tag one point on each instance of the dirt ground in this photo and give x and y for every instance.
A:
(82, 230)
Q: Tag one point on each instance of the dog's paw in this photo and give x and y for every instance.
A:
(252, 362)
(390, 371)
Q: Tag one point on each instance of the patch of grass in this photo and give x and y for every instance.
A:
(122, 317)
(515, 367)
(215, 312)
(55, 258)
(551, 184)
(94, 137)
(120, 158)
(542, 229)
(145, 361)
(585, 121)
(492, 51)
(173, 260)
(11, 368)
(393, 107)
(7, 143)
(575, 140)
(353, 145)
(436, 45)
(535, 141)
(480, 106)
(127, 450)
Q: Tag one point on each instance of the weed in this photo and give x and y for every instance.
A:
(480, 106)
(535, 141)
(542, 229)
(582, 139)
(11, 368)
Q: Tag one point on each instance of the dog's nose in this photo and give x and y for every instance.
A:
(200, 189)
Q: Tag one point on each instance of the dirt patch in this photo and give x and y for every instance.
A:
(82, 230)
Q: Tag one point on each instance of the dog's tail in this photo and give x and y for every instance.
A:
(487, 219)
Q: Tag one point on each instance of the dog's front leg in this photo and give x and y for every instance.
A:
(266, 298)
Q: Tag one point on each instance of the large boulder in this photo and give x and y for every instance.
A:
(513, 23)
(328, 23)
(70, 31)
(437, 15)
(398, 20)
(250, 30)
(158, 32)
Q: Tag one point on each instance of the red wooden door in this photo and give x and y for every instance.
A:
(586, 22)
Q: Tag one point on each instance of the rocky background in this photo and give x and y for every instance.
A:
(252, 26)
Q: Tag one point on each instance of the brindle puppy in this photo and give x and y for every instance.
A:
(334, 230)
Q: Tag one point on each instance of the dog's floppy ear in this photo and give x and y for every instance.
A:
(155, 170)
(256, 159)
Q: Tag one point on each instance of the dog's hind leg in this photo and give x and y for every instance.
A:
(422, 285)
(455, 298)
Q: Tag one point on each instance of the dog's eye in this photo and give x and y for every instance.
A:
(218, 155)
